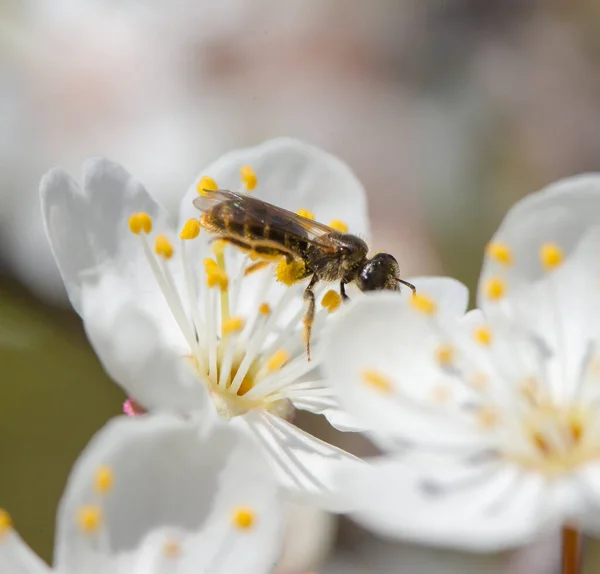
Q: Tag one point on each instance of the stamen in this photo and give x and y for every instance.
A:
(483, 336)
(501, 253)
(487, 417)
(103, 479)
(163, 247)
(338, 225)
(495, 288)
(139, 222)
(277, 360)
(89, 519)
(377, 381)
(478, 381)
(551, 256)
(172, 548)
(6, 523)
(290, 273)
(444, 355)
(215, 277)
(190, 230)
(248, 177)
(331, 300)
(306, 214)
(423, 304)
(264, 309)
(206, 184)
(218, 248)
(233, 325)
(243, 518)
(441, 394)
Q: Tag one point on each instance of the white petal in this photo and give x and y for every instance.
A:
(561, 213)
(88, 228)
(304, 465)
(167, 475)
(478, 511)
(382, 332)
(293, 175)
(138, 354)
(17, 558)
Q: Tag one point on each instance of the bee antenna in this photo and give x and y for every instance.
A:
(409, 285)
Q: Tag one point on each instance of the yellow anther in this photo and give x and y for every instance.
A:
(479, 381)
(495, 288)
(377, 381)
(218, 247)
(243, 518)
(306, 213)
(487, 417)
(338, 225)
(89, 518)
(277, 360)
(500, 252)
(103, 479)
(483, 335)
(206, 184)
(423, 303)
(551, 256)
(233, 325)
(290, 273)
(171, 548)
(441, 394)
(331, 300)
(210, 264)
(248, 177)
(215, 276)
(264, 309)
(190, 230)
(444, 355)
(139, 222)
(6, 523)
(163, 247)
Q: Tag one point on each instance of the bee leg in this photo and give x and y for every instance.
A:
(309, 316)
(343, 291)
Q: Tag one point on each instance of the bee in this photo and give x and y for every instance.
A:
(271, 232)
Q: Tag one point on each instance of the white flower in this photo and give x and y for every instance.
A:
(180, 325)
(490, 421)
(159, 494)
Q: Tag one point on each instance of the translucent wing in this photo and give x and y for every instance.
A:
(244, 209)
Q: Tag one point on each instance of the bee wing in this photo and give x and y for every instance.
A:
(245, 208)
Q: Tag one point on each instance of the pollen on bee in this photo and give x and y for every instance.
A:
(483, 335)
(233, 325)
(243, 518)
(103, 479)
(290, 273)
(190, 230)
(277, 360)
(423, 303)
(331, 300)
(264, 309)
(163, 247)
(500, 252)
(89, 518)
(139, 222)
(495, 288)
(206, 184)
(445, 355)
(306, 213)
(248, 177)
(6, 523)
(551, 256)
(377, 381)
(338, 225)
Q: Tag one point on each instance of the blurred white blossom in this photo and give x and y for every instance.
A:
(159, 494)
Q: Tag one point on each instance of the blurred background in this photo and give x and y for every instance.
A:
(448, 111)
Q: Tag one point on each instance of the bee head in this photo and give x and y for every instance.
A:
(380, 272)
